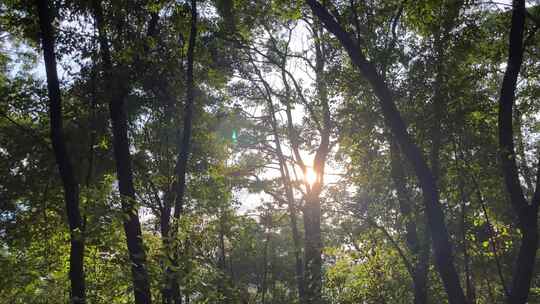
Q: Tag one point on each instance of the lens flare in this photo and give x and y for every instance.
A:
(310, 176)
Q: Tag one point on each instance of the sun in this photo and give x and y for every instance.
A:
(310, 176)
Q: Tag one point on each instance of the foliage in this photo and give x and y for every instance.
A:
(262, 91)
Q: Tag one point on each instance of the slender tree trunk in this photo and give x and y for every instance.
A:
(464, 198)
(222, 261)
(183, 156)
(491, 231)
(440, 238)
(165, 222)
(419, 265)
(285, 175)
(312, 269)
(222, 254)
(69, 181)
(268, 229)
(165, 219)
(526, 212)
(132, 227)
(181, 166)
(466, 263)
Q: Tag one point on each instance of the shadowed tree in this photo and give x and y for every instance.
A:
(184, 151)
(444, 259)
(116, 90)
(527, 212)
(62, 156)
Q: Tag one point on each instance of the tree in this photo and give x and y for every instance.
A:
(183, 155)
(441, 240)
(527, 212)
(70, 184)
(269, 152)
(117, 90)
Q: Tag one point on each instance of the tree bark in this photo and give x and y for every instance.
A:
(116, 94)
(313, 249)
(440, 238)
(527, 213)
(67, 175)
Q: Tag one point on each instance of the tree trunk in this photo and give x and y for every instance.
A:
(299, 268)
(165, 223)
(124, 173)
(313, 249)
(223, 285)
(421, 260)
(268, 230)
(527, 213)
(440, 238)
(70, 184)
(312, 207)
(181, 166)
(183, 156)
(287, 185)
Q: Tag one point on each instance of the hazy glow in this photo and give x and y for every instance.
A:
(310, 176)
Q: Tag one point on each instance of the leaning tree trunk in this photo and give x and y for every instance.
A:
(69, 181)
(440, 237)
(116, 94)
(527, 213)
(420, 249)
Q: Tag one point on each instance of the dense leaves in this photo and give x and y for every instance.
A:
(298, 186)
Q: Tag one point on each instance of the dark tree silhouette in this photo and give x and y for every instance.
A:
(117, 91)
(441, 240)
(69, 181)
(527, 213)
